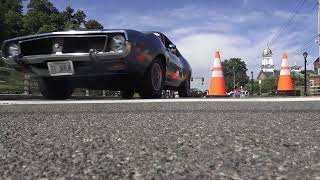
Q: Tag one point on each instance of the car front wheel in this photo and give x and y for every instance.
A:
(153, 81)
(56, 89)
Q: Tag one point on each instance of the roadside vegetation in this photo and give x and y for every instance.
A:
(237, 67)
(40, 16)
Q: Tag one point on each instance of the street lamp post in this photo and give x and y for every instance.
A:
(260, 84)
(305, 55)
(252, 83)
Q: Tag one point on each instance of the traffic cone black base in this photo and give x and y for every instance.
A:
(287, 93)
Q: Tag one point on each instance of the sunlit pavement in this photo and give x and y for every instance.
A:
(265, 138)
(182, 100)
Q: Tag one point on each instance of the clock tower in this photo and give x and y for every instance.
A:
(267, 61)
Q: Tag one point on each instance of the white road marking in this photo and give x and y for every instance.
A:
(48, 102)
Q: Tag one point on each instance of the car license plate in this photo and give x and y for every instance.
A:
(60, 68)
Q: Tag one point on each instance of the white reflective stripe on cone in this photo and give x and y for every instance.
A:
(285, 63)
(217, 63)
(217, 74)
(284, 72)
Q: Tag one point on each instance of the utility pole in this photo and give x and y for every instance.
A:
(305, 55)
(252, 83)
(318, 3)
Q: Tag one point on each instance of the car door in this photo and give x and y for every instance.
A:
(174, 66)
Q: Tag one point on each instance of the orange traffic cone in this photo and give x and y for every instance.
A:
(217, 85)
(285, 85)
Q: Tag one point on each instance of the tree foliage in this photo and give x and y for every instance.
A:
(269, 84)
(240, 68)
(297, 78)
(41, 16)
(10, 18)
(42, 6)
(256, 87)
(93, 24)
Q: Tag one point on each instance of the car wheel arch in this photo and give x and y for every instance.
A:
(163, 61)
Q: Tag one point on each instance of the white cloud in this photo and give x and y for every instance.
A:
(199, 31)
(282, 14)
(199, 50)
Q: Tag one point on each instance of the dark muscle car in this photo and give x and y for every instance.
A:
(121, 60)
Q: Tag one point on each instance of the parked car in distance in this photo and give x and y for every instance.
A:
(231, 93)
(205, 93)
(245, 93)
(195, 92)
(119, 60)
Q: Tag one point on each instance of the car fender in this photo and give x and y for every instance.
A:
(145, 49)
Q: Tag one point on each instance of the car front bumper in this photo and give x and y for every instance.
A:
(85, 64)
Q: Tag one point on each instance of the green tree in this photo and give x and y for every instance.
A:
(33, 22)
(68, 13)
(42, 17)
(42, 6)
(256, 87)
(240, 68)
(297, 78)
(13, 23)
(269, 84)
(79, 17)
(14, 5)
(10, 18)
(74, 21)
(93, 24)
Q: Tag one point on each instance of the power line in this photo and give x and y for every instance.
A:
(286, 25)
(308, 44)
(295, 12)
(284, 28)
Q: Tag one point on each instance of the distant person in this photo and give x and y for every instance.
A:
(237, 91)
(173, 51)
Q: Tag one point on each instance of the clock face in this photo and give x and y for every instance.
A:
(267, 52)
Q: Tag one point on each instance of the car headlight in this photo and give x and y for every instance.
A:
(118, 43)
(13, 50)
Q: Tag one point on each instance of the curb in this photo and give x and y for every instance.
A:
(24, 97)
(18, 96)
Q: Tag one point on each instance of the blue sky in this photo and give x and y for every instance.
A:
(236, 28)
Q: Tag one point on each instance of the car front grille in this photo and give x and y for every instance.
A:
(69, 44)
(36, 47)
(83, 44)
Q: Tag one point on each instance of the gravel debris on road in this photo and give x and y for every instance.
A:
(205, 140)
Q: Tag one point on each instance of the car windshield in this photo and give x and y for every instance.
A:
(207, 89)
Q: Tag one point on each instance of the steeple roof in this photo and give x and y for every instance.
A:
(267, 52)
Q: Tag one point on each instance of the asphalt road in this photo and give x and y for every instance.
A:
(161, 140)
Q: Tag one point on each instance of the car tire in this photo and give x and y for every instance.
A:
(153, 81)
(127, 94)
(55, 89)
(184, 89)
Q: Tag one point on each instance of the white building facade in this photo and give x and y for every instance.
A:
(267, 61)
